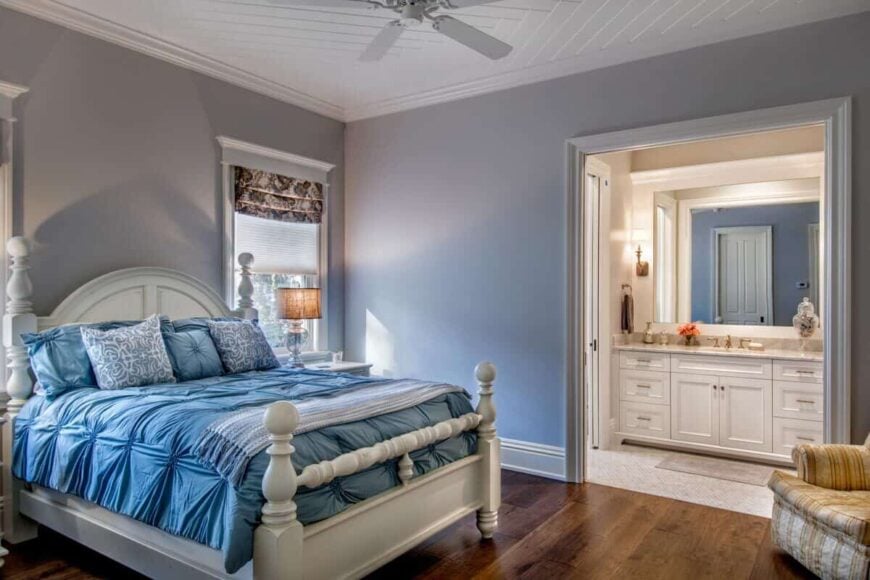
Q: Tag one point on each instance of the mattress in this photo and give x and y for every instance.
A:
(132, 451)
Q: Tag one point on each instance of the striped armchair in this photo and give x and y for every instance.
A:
(822, 516)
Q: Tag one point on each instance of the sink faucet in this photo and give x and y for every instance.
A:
(744, 342)
(715, 341)
(728, 343)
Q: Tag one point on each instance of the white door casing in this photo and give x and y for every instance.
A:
(743, 275)
(836, 242)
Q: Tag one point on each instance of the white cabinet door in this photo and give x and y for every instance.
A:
(694, 408)
(745, 418)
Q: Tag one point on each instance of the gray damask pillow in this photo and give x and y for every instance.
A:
(242, 346)
(128, 357)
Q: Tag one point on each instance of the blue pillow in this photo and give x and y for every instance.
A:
(59, 359)
(199, 323)
(242, 346)
(132, 356)
(193, 355)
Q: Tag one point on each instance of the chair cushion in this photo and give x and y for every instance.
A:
(193, 355)
(59, 359)
(847, 512)
(840, 467)
(129, 357)
(242, 346)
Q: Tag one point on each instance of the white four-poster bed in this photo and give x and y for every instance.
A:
(349, 544)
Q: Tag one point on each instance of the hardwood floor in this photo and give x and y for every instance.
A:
(547, 530)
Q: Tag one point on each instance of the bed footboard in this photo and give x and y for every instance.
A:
(279, 543)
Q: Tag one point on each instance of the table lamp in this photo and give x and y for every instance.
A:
(297, 305)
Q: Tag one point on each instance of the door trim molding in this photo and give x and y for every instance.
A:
(835, 115)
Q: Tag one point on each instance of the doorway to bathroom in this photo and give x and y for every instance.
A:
(720, 229)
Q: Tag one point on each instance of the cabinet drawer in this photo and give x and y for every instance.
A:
(645, 386)
(722, 366)
(652, 361)
(798, 401)
(803, 371)
(645, 419)
(787, 433)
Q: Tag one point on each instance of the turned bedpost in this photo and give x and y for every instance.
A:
(246, 308)
(278, 538)
(18, 319)
(489, 448)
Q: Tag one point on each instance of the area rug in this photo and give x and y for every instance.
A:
(751, 473)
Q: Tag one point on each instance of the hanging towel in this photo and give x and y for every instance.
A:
(626, 316)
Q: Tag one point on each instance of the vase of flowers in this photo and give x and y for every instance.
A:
(689, 331)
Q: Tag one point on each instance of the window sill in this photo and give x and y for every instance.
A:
(310, 356)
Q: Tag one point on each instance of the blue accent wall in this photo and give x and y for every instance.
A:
(790, 224)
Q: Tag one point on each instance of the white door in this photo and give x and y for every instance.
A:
(745, 414)
(592, 227)
(694, 408)
(743, 275)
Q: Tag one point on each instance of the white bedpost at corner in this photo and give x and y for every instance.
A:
(246, 308)
(278, 539)
(18, 319)
(489, 447)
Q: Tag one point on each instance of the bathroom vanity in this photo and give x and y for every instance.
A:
(733, 402)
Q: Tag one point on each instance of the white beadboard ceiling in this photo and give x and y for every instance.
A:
(309, 56)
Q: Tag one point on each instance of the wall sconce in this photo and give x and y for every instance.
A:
(641, 268)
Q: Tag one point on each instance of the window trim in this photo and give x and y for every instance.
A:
(235, 152)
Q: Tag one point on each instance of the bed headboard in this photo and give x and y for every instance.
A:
(128, 294)
(134, 294)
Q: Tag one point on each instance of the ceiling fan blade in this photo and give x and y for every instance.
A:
(383, 42)
(476, 40)
(467, 3)
(327, 3)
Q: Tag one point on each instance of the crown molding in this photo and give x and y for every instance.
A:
(12, 91)
(103, 29)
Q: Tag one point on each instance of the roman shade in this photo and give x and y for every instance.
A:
(277, 197)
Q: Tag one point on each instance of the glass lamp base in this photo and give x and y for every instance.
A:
(296, 339)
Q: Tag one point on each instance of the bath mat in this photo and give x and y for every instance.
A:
(739, 471)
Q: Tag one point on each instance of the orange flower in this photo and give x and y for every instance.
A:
(688, 329)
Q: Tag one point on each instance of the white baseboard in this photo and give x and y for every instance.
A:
(533, 458)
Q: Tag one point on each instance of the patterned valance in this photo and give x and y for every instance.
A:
(277, 197)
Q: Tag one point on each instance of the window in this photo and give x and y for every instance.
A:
(285, 254)
(275, 209)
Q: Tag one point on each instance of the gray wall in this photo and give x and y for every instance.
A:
(791, 253)
(117, 163)
(455, 233)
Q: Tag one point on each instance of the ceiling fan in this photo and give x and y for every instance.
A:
(414, 13)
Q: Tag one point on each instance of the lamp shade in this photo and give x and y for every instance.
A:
(298, 303)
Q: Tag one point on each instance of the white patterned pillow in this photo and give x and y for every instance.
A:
(242, 346)
(128, 357)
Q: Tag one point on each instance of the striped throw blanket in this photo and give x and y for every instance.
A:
(231, 442)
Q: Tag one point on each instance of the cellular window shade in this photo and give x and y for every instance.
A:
(277, 197)
(278, 247)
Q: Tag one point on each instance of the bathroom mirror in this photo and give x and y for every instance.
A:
(738, 255)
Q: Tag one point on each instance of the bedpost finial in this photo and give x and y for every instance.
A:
(246, 259)
(18, 247)
(281, 418)
(485, 372)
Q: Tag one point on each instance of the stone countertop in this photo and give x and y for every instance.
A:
(721, 351)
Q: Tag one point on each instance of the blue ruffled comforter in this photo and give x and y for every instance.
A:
(132, 451)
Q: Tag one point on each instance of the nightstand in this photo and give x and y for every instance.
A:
(349, 367)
